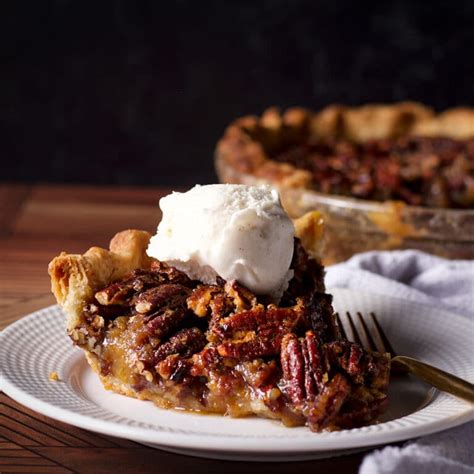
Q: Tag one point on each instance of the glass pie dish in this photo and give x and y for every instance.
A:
(352, 224)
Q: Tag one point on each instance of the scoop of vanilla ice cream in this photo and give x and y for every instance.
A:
(234, 231)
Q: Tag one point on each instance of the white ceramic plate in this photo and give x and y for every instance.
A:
(37, 344)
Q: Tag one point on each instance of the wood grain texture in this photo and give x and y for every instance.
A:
(37, 222)
(11, 200)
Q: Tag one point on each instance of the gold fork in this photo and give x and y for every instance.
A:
(402, 364)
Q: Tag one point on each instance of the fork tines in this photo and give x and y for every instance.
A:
(363, 335)
(382, 337)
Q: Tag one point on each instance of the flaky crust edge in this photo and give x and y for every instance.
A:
(75, 278)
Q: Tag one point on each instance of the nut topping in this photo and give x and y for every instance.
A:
(222, 349)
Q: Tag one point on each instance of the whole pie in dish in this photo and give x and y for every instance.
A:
(151, 332)
(403, 151)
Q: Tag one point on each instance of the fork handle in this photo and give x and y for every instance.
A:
(437, 377)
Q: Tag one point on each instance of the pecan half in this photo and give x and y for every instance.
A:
(362, 367)
(305, 380)
(121, 291)
(115, 294)
(260, 319)
(166, 308)
(208, 300)
(315, 363)
(257, 332)
(350, 357)
(185, 343)
(171, 275)
(221, 299)
(165, 321)
(292, 364)
(326, 406)
(168, 294)
(305, 368)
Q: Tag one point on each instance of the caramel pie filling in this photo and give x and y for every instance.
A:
(157, 335)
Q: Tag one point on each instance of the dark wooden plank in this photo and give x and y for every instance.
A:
(44, 248)
(85, 437)
(17, 458)
(81, 220)
(7, 445)
(101, 194)
(12, 197)
(34, 469)
(4, 447)
(24, 264)
(56, 218)
(86, 211)
(27, 431)
(42, 427)
(17, 452)
(25, 461)
(16, 438)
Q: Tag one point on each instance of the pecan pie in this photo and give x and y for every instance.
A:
(400, 152)
(152, 333)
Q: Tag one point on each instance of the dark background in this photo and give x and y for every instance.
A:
(139, 92)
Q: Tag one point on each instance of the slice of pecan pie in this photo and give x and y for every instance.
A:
(152, 333)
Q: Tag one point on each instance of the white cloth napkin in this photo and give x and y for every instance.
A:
(420, 277)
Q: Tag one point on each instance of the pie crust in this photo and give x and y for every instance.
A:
(218, 348)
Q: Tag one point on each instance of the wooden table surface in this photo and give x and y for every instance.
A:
(36, 223)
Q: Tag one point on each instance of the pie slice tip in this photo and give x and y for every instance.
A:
(75, 278)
